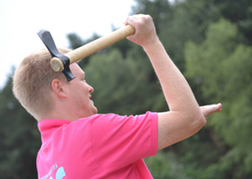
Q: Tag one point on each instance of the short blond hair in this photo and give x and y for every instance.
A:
(32, 82)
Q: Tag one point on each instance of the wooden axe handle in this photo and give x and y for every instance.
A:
(92, 47)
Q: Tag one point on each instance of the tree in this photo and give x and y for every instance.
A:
(221, 66)
(122, 85)
(20, 139)
(240, 13)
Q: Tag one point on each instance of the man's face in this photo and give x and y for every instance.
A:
(79, 94)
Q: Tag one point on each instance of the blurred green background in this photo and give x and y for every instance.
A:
(210, 41)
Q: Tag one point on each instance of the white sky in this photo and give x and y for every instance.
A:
(20, 20)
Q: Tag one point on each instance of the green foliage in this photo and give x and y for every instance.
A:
(165, 165)
(222, 68)
(240, 13)
(19, 138)
(122, 85)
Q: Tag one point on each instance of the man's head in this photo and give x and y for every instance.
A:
(34, 84)
(74, 96)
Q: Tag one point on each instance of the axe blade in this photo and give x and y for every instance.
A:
(47, 39)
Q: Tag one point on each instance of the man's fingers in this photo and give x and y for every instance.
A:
(210, 109)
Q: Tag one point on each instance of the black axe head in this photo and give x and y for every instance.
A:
(47, 39)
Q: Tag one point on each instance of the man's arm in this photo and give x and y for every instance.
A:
(185, 117)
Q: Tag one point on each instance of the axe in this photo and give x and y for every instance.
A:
(60, 62)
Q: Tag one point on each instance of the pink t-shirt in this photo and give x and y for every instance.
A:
(101, 146)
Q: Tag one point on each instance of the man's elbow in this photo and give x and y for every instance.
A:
(202, 121)
(199, 122)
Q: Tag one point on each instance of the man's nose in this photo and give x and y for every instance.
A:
(91, 89)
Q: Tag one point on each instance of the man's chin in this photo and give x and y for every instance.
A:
(95, 110)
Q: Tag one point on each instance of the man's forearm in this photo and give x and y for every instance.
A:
(176, 90)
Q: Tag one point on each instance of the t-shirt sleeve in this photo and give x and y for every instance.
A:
(121, 140)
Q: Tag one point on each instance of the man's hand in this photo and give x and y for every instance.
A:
(210, 109)
(145, 30)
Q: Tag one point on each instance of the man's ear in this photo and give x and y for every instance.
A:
(58, 88)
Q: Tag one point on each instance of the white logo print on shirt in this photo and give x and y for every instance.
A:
(60, 173)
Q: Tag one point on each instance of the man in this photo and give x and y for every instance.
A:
(79, 143)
